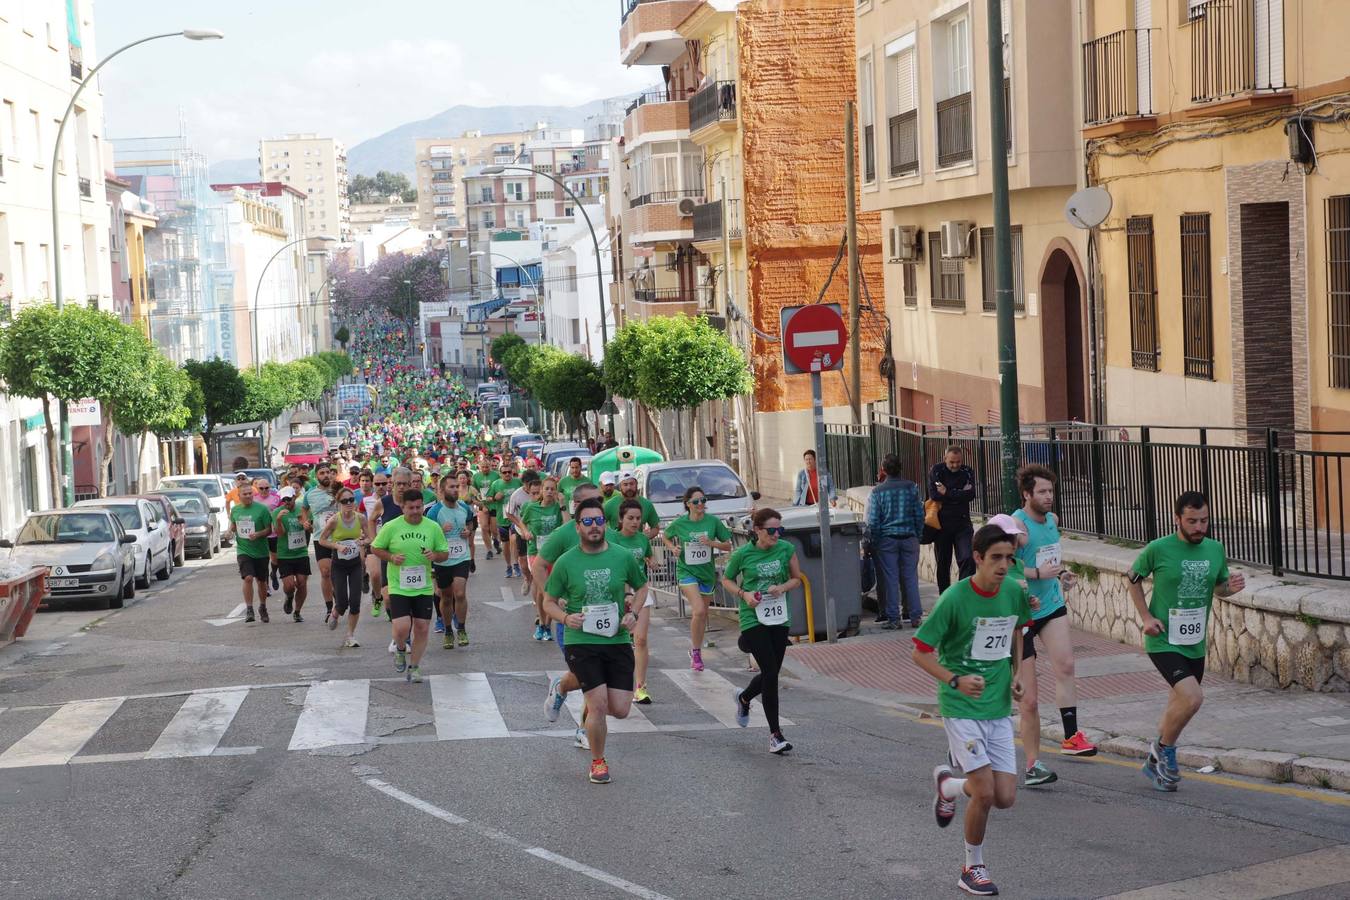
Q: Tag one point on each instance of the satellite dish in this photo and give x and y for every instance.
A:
(1088, 208)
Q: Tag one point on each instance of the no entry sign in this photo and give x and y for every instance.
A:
(814, 338)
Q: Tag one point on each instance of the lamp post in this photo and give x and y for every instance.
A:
(192, 34)
(595, 242)
(253, 315)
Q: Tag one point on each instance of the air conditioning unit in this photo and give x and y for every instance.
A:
(904, 243)
(956, 239)
(686, 206)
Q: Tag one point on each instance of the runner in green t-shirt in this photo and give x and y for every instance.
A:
(540, 518)
(587, 590)
(482, 480)
(569, 482)
(291, 530)
(972, 644)
(628, 490)
(1188, 570)
(760, 574)
(692, 538)
(410, 544)
(629, 536)
(250, 524)
(498, 493)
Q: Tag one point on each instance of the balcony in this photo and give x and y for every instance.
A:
(663, 197)
(711, 218)
(903, 130)
(954, 131)
(655, 113)
(713, 106)
(86, 189)
(1118, 83)
(651, 303)
(1237, 56)
(655, 218)
(647, 35)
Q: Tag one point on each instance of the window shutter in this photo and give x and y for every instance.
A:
(1269, 27)
(905, 98)
(1007, 39)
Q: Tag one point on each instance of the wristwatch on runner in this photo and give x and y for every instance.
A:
(952, 682)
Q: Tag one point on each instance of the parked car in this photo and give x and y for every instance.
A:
(664, 484)
(308, 449)
(215, 491)
(558, 468)
(154, 551)
(524, 437)
(86, 552)
(565, 449)
(337, 431)
(202, 531)
(512, 425)
(177, 525)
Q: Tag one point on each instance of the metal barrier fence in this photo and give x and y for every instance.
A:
(1121, 483)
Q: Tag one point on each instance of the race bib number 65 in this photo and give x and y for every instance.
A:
(601, 619)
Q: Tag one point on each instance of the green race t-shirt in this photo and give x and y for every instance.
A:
(649, 516)
(255, 519)
(639, 545)
(505, 488)
(758, 570)
(1184, 578)
(973, 635)
(710, 528)
(559, 542)
(290, 530)
(483, 481)
(580, 579)
(413, 541)
(541, 520)
(567, 484)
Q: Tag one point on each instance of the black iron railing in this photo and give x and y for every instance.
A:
(647, 97)
(1235, 48)
(665, 295)
(710, 218)
(1273, 502)
(663, 197)
(86, 189)
(954, 131)
(716, 102)
(904, 143)
(1118, 76)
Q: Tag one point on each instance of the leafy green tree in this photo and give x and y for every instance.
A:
(222, 389)
(502, 343)
(162, 408)
(342, 336)
(570, 384)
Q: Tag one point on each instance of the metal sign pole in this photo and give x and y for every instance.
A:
(823, 504)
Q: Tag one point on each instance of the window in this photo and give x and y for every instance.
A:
(37, 136)
(902, 116)
(988, 270)
(1338, 289)
(1197, 309)
(1143, 276)
(31, 498)
(867, 109)
(947, 277)
(951, 84)
(910, 274)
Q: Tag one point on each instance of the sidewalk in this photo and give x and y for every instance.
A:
(1278, 735)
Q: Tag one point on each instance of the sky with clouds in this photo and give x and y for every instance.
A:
(351, 69)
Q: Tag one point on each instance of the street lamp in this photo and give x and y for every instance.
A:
(253, 314)
(192, 34)
(595, 241)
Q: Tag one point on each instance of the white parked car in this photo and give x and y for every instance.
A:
(510, 425)
(154, 544)
(664, 484)
(215, 488)
(86, 552)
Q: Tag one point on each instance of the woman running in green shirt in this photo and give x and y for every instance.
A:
(693, 537)
(629, 536)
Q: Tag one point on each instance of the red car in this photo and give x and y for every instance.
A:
(309, 450)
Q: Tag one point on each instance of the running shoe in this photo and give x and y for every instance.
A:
(696, 660)
(296, 617)
(332, 622)
(248, 615)
(415, 674)
(1155, 776)
(581, 740)
(393, 646)
(509, 573)
(892, 625)
(975, 880)
(641, 695)
(742, 710)
(262, 612)
(518, 572)
(463, 638)
(448, 642)
(599, 771)
(916, 622)
(400, 661)
(473, 567)
(943, 809)
(1078, 745)
(440, 625)
(1038, 775)
(538, 632)
(289, 606)
(548, 632)
(489, 554)
(350, 642)
(779, 744)
(276, 582)
(553, 703)
(1165, 758)
(376, 607)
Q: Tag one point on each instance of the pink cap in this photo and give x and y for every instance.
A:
(1006, 523)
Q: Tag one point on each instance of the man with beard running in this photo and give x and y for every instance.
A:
(452, 576)
(410, 544)
(319, 506)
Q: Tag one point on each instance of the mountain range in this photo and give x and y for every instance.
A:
(393, 150)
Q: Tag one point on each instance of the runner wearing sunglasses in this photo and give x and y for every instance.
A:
(344, 536)
(692, 538)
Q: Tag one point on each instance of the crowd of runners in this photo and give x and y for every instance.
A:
(422, 492)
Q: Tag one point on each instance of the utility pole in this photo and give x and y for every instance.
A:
(1010, 449)
(851, 192)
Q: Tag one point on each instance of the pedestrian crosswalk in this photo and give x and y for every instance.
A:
(241, 720)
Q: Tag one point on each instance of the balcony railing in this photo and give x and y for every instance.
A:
(663, 197)
(710, 218)
(77, 69)
(86, 190)
(869, 149)
(665, 295)
(1235, 49)
(1118, 76)
(647, 97)
(954, 131)
(904, 143)
(91, 300)
(714, 103)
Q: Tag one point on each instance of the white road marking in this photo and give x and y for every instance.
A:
(335, 713)
(509, 601)
(198, 725)
(635, 723)
(465, 708)
(61, 735)
(1276, 878)
(714, 694)
(236, 615)
(493, 834)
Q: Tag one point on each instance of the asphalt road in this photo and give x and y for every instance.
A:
(176, 777)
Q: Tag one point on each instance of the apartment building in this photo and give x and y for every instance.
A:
(924, 100)
(517, 198)
(317, 167)
(441, 165)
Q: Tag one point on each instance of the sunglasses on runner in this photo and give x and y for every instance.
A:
(346, 500)
(698, 501)
(776, 532)
(589, 521)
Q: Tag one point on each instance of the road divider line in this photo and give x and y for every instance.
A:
(502, 837)
(62, 735)
(199, 724)
(464, 707)
(335, 713)
(636, 723)
(714, 693)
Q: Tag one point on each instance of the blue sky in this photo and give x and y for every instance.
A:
(348, 69)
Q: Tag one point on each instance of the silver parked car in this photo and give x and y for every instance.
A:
(87, 554)
(664, 484)
(154, 543)
(214, 489)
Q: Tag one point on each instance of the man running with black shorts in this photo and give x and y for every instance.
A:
(250, 524)
(320, 505)
(410, 544)
(452, 576)
(1188, 570)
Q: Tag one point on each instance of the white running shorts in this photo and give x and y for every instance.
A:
(976, 743)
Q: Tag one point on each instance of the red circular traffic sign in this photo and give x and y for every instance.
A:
(814, 339)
